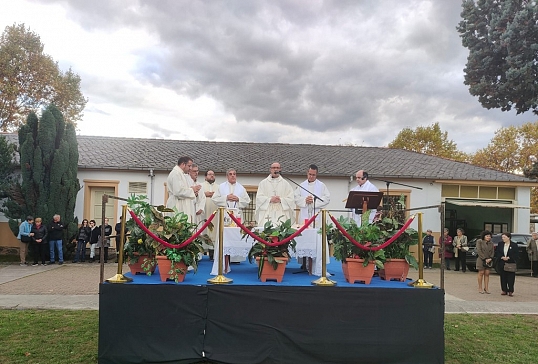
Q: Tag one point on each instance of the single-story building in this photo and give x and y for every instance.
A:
(475, 198)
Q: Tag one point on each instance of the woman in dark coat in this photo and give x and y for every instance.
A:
(39, 241)
(506, 252)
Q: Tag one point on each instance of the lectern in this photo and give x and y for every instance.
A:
(361, 201)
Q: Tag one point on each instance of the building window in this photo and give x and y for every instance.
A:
(496, 227)
(473, 192)
(138, 188)
(248, 212)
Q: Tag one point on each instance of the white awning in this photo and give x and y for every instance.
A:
(487, 204)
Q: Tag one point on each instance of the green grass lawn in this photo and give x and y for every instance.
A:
(65, 336)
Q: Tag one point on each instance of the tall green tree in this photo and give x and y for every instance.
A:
(7, 166)
(49, 163)
(510, 151)
(31, 79)
(502, 38)
(429, 140)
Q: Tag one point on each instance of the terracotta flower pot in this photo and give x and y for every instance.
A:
(136, 268)
(165, 266)
(356, 271)
(273, 274)
(395, 269)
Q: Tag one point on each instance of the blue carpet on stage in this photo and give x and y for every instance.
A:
(245, 273)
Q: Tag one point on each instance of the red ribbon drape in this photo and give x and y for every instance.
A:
(382, 246)
(287, 240)
(165, 243)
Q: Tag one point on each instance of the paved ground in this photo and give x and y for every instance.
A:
(76, 286)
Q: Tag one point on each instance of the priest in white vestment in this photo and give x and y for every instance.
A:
(231, 195)
(200, 200)
(180, 194)
(304, 198)
(210, 187)
(274, 200)
(365, 186)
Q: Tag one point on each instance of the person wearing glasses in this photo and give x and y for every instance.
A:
(363, 185)
(274, 200)
(233, 196)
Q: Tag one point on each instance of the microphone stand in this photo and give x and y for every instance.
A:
(396, 183)
(304, 189)
(303, 266)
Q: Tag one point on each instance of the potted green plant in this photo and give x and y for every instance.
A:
(398, 253)
(357, 263)
(173, 229)
(139, 249)
(176, 229)
(275, 256)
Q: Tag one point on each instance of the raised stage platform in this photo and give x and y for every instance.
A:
(148, 321)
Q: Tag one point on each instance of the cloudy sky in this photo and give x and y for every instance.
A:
(290, 71)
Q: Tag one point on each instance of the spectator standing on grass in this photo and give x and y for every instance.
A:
(484, 260)
(449, 249)
(428, 248)
(39, 240)
(25, 239)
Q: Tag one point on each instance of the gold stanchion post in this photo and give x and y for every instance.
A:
(420, 282)
(220, 278)
(119, 277)
(323, 280)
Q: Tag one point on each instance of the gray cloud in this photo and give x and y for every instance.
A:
(365, 69)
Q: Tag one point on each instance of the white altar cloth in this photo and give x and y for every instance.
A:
(308, 245)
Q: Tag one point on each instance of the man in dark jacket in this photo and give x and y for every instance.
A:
(104, 242)
(94, 238)
(55, 235)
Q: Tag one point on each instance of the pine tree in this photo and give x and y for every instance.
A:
(49, 159)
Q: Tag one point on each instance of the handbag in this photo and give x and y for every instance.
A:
(510, 267)
(488, 265)
(432, 249)
(25, 239)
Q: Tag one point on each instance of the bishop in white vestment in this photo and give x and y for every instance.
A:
(274, 200)
(233, 196)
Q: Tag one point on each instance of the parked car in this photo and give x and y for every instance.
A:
(521, 240)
